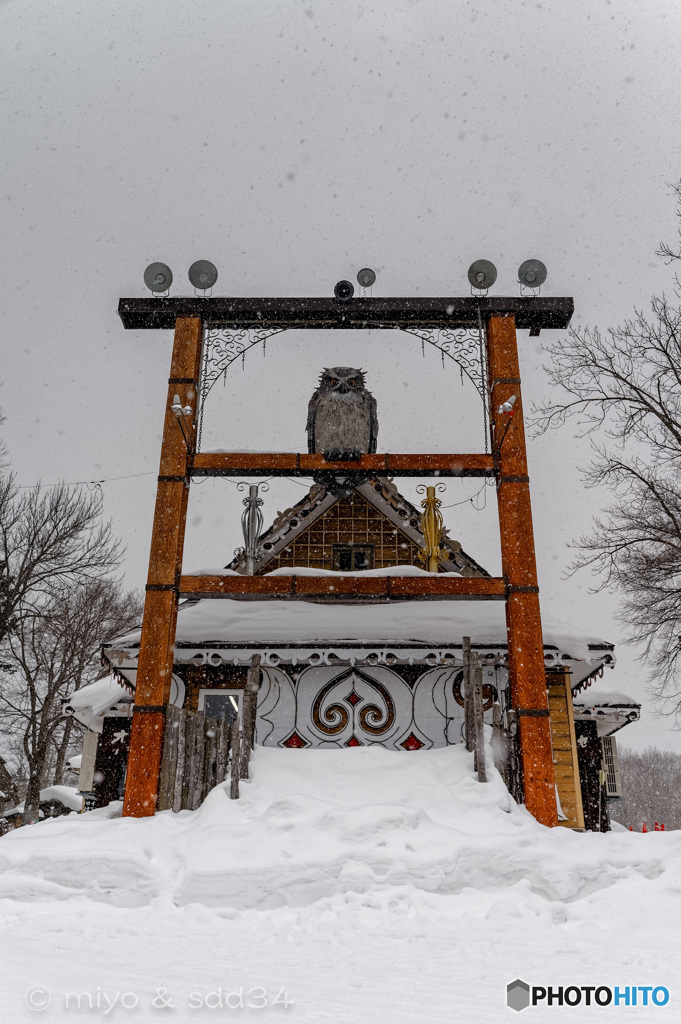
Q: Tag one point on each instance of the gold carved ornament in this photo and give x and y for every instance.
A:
(432, 527)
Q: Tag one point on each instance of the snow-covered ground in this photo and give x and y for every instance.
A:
(368, 885)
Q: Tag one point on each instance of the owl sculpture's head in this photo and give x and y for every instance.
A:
(342, 379)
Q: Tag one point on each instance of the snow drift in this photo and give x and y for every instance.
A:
(430, 889)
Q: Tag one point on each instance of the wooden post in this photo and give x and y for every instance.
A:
(181, 760)
(523, 620)
(248, 715)
(235, 744)
(222, 751)
(155, 665)
(476, 680)
(467, 690)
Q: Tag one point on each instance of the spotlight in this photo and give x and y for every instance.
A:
(366, 278)
(179, 409)
(532, 273)
(203, 274)
(158, 277)
(482, 274)
(344, 291)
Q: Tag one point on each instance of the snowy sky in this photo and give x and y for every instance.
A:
(292, 143)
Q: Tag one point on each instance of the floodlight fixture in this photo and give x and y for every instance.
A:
(203, 274)
(507, 406)
(366, 277)
(344, 291)
(482, 274)
(179, 409)
(158, 277)
(532, 273)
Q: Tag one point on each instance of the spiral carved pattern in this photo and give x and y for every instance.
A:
(332, 719)
(375, 720)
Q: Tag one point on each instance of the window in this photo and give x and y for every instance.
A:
(353, 557)
(221, 703)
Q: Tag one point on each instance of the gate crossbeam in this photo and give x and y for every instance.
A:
(445, 586)
(274, 464)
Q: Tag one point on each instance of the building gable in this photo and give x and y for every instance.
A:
(327, 531)
(351, 534)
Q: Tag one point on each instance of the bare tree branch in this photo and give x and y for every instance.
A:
(622, 388)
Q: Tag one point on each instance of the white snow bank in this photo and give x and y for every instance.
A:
(315, 824)
(372, 885)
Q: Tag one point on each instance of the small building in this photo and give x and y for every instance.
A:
(336, 672)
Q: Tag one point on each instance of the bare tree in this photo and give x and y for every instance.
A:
(9, 791)
(651, 784)
(56, 650)
(50, 537)
(56, 556)
(623, 389)
(666, 250)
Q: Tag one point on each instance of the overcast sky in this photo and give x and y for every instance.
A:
(292, 143)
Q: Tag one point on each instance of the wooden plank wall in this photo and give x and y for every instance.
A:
(564, 744)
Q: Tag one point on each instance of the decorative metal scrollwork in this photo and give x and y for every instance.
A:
(222, 346)
(463, 346)
(466, 348)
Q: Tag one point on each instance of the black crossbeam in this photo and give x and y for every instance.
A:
(358, 314)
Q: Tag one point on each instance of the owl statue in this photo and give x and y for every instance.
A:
(341, 417)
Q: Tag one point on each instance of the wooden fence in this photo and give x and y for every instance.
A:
(200, 752)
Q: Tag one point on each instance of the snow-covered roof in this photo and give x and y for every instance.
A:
(606, 698)
(66, 795)
(88, 703)
(232, 630)
(610, 710)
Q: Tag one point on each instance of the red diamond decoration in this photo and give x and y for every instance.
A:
(295, 741)
(412, 742)
(353, 698)
(354, 742)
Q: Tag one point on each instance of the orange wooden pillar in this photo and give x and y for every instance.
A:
(523, 620)
(155, 665)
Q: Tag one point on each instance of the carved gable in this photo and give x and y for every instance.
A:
(351, 523)
(372, 526)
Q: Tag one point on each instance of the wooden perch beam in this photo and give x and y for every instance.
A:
(265, 464)
(437, 587)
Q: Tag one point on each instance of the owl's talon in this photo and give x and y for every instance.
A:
(353, 455)
(333, 454)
